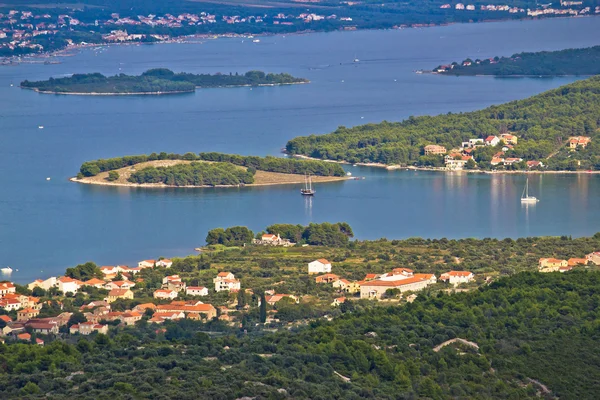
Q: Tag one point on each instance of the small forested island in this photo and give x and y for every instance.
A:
(584, 61)
(558, 130)
(155, 81)
(204, 170)
(497, 319)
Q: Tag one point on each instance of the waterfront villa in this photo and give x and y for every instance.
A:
(320, 266)
(434, 149)
(269, 239)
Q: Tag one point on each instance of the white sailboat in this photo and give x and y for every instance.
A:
(525, 197)
(6, 270)
(308, 189)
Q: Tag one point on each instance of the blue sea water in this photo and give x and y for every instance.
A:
(46, 226)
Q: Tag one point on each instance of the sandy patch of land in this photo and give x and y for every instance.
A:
(261, 178)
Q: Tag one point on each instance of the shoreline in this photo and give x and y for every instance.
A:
(160, 93)
(323, 179)
(73, 50)
(394, 167)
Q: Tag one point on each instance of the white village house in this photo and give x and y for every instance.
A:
(196, 291)
(320, 266)
(226, 281)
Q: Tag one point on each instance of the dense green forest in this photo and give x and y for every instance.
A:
(253, 163)
(194, 174)
(159, 80)
(542, 123)
(543, 63)
(531, 326)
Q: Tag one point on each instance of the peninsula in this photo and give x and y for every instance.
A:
(155, 81)
(584, 61)
(557, 130)
(205, 170)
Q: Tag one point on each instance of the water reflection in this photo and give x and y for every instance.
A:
(308, 206)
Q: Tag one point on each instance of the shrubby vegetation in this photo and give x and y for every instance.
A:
(277, 164)
(324, 234)
(158, 80)
(269, 163)
(543, 63)
(194, 174)
(528, 327)
(543, 124)
(233, 236)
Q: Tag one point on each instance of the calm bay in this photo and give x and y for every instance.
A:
(46, 226)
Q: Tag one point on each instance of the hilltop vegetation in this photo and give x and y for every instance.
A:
(158, 80)
(543, 124)
(529, 326)
(543, 63)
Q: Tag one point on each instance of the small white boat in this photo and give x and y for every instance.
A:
(41, 127)
(48, 178)
(348, 173)
(256, 41)
(356, 60)
(525, 197)
(6, 270)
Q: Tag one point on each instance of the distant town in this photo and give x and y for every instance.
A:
(25, 32)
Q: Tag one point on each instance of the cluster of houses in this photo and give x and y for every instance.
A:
(457, 159)
(489, 7)
(558, 265)
(543, 9)
(18, 28)
(374, 286)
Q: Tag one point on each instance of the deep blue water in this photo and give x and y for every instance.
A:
(49, 225)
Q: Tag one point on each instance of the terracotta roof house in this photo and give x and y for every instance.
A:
(116, 294)
(377, 288)
(457, 277)
(327, 278)
(572, 262)
(165, 294)
(338, 301)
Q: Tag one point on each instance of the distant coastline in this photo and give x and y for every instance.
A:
(161, 93)
(394, 167)
(299, 180)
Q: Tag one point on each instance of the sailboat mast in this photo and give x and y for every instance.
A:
(527, 188)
